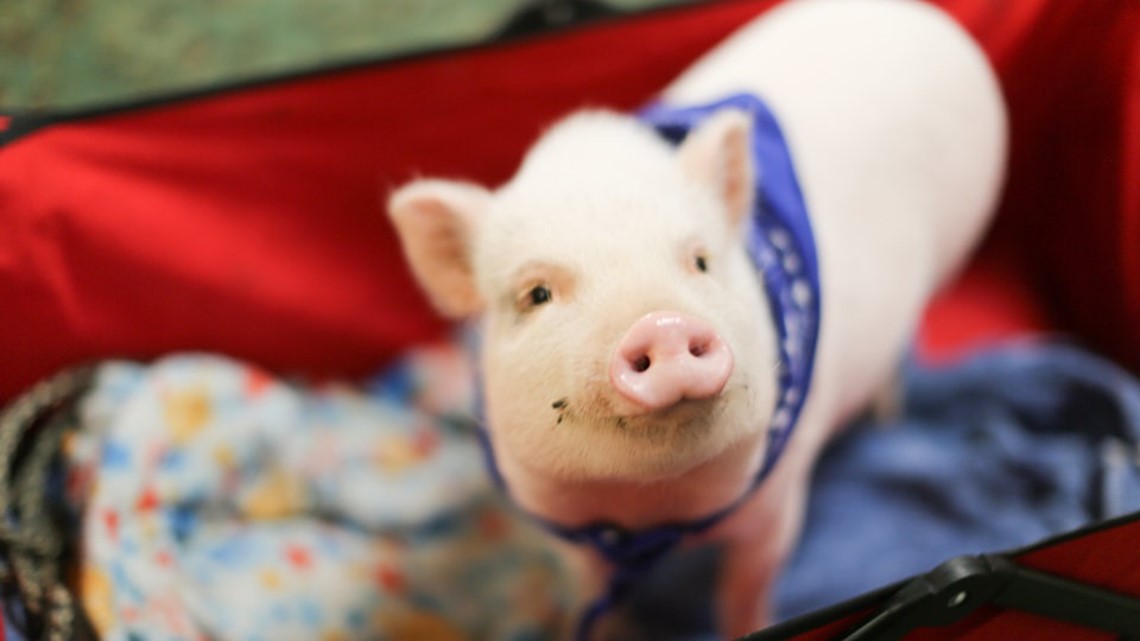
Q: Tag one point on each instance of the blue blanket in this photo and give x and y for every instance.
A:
(1010, 447)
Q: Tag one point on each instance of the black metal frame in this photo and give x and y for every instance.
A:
(955, 589)
(542, 16)
(959, 587)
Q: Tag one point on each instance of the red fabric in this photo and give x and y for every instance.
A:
(991, 624)
(988, 303)
(250, 223)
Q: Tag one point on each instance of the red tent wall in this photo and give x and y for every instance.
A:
(1069, 226)
(249, 221)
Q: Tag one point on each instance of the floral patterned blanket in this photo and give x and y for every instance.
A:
(223, 503)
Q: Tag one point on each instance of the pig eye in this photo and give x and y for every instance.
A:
(539, 295)
(701, 263)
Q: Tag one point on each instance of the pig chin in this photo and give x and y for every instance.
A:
(594, 437)
(669, 442)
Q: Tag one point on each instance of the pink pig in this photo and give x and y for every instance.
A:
(630, 359)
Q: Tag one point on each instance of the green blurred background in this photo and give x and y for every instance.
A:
(83, 53)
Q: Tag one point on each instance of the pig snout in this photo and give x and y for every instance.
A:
(667, 357)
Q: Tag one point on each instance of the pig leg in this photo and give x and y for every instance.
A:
(748, 575)
(745, 592)
(886, 403)
(759, 539)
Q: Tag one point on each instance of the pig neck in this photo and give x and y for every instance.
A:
(783, 250)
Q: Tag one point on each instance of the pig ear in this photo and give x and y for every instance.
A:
(718, 154)
(435, 220)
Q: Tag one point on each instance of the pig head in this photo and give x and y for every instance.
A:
(625, 336)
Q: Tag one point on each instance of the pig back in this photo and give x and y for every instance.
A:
(898, 132)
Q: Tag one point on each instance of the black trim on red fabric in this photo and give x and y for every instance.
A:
(22, 124)
(24, 121)
(1066, 537)
(830, 615)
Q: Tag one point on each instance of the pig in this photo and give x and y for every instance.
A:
(629, 360)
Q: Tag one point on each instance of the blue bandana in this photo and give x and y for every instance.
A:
(782, 248)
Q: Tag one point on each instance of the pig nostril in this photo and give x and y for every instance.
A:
(698, 349)
(641, 364)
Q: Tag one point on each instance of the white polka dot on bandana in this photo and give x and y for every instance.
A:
(780, 239)
(780, 419)
(801, 293)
